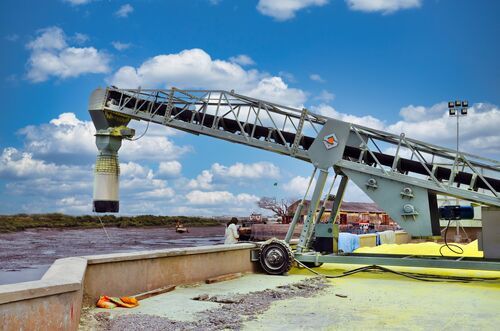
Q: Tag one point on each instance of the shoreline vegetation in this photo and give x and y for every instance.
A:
(20, 222)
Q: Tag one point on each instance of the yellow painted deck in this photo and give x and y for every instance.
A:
(375, 301)
(425, 248)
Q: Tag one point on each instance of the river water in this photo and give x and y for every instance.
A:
(26, 255)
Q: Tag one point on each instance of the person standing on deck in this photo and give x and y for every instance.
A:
(232, 234)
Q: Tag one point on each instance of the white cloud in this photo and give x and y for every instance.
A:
(274, 89)
(14, 163)
(184, 69)
(250, 171)
(242, 59)
(385, 6)
(366, 120)
(51, 56)
(80, 38)
(202, 181)
(297, 186)
(219, 198)
(285, 9)
(325, 96)
(479, 131)
(140, 181)
(49, 38)
(194, 68)
(219, 175)
(238, 174)
(170, 168)
(316, 78)
(124, 10)
(132, 169)
(74, 204)
(413, 113)
(67, 136)
(288, 76)
(119, 46)
(61, 136)
(159, 193)
(44, 186)
(49, 187)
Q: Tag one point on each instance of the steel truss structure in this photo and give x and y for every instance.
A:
(386, 166)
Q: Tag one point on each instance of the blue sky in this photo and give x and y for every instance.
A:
(389, 64)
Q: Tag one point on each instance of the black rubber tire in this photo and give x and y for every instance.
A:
(276, 257)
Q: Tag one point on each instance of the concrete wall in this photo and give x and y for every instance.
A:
(55, 301)
(126, 274)
(52, 303)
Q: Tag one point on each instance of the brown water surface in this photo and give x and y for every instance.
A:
(26, 255)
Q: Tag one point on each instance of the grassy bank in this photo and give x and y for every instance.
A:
(10, 223)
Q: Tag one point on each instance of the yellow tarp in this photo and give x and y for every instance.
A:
(428, 248)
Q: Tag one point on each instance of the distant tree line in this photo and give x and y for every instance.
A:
(19, 222)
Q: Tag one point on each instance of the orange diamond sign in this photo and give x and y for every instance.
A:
(330, 141)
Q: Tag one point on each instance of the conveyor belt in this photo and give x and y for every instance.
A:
(285, 138)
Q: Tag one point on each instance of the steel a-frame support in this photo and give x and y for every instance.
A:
(310, 221)
(298, 211)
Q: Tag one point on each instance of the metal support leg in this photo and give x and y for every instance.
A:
(298, 211)
(313, 207)
(338, 199)
(323, 207)
(335, 211)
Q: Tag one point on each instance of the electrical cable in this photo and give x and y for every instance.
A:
(415, 276)
(102, 224)
(447, 245)
(142, 135)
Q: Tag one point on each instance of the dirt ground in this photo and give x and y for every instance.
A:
(26, 255)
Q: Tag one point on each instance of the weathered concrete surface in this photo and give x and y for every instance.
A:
(387, 302)
(129, 274)
(178, 305)
(373, 301)
(55, 312)
(52, 303)
(65, 275)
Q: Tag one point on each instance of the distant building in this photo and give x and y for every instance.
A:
(254, 217)
(350, 212)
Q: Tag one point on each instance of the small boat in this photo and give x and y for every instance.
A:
(179, 228)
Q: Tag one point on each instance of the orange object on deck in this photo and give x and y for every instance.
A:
(113, 302)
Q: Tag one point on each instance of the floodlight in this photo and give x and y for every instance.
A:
(464, 111)
(451, 104)
(452, 111)
(458, 103)
(465, 103)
